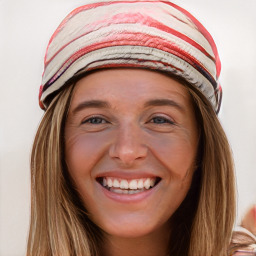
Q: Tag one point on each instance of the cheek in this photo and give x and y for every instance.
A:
(82, 152)
(177, 153)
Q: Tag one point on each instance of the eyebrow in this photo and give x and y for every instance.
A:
(164, 102)
(91, 104)
(104, 104)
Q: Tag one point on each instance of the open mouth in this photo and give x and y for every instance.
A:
(124, 186)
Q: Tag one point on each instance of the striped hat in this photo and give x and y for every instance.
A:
(151, 34)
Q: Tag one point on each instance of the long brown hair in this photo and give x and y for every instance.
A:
(58, 225)
(202, 225)
(214, 219)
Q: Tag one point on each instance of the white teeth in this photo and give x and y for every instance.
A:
(116, 190)
(116, 183)
(124, 184)
(133, 184)
(128, 187)
(110, 184)
(124, 191)
(140, 184)
(131, 192)
(147, 183)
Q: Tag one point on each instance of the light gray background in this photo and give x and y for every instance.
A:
(25, 28)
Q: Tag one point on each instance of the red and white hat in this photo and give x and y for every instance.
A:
(157, 35)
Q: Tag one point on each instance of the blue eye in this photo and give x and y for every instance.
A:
(161, 120)
(95, 120)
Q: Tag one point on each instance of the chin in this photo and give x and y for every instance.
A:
(128, 226)
(129, 231)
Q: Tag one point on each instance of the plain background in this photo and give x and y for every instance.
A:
(25, 28)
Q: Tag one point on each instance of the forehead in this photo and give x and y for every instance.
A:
(129, 84)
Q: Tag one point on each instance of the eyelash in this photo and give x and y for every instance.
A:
(154, 120)
(166, 120)
(89, 120)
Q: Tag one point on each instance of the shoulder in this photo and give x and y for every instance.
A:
(243, 242)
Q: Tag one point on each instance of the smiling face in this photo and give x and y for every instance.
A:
(130, 143)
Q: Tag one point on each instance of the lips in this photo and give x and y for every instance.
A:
(128, 186)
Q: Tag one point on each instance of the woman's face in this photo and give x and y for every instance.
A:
(131, 141)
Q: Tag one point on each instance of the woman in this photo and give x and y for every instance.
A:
(130, 158)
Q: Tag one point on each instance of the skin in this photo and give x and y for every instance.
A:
(249, 220)
(145, 127)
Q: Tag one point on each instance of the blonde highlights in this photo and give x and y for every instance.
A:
(214, 220)
(57, 227)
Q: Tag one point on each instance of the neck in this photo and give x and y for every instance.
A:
(151, 245)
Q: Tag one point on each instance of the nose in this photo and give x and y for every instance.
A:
(128, 147)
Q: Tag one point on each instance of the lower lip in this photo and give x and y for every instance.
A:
(128, 198)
